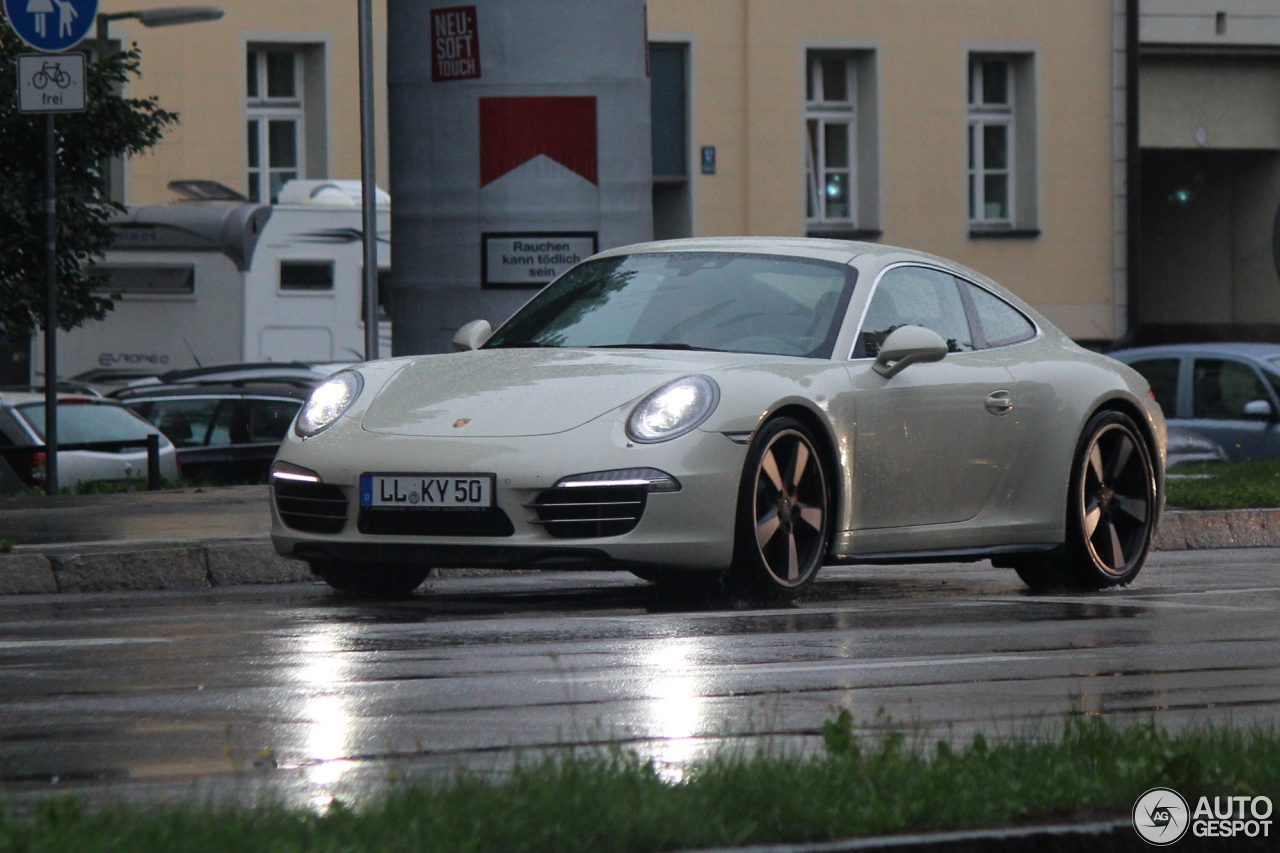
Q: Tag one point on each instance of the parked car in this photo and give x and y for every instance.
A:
(750, 409)
(290, 372)
(1187, 445)
(1226, 393)
(225, 434)
(81, 419)
(107, 379)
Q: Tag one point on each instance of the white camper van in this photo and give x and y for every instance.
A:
(217, 282)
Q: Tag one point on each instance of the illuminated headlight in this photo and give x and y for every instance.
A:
(327, 402)
(673, 410)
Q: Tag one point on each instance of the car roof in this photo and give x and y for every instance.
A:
(283, 368)
(202, 389)
(1255, 351)
(841, 251)
(111, 375)
(283, 372)
(23, 398)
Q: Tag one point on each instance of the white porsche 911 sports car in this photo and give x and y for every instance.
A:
(753, 408)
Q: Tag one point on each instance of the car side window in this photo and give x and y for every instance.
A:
(915, 296)
(999, 323)
(231, 425)
(1162, 375)
(184, 422)
(269, 420)
(1221, 389)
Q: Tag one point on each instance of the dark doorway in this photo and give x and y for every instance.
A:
(669, 112)
(1207, 265)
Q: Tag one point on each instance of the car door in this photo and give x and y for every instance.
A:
(932, 441)
(1226, 406)
(1163, 374)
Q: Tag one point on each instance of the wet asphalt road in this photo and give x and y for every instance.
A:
(293, 692)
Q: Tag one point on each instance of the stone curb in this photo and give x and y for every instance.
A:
(179, 566)
(1182, 530)
(102, 567)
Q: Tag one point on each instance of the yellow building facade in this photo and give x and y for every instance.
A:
(987, 131)
(910, 90)
(294, 63)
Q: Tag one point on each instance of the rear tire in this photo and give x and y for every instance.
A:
(783, 517)
(1111, 511)
(371, 580)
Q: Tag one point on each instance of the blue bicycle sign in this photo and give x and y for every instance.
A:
(51, 25)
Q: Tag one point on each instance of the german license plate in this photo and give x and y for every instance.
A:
(427, 491)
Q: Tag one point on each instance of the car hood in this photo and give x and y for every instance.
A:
(521, 392)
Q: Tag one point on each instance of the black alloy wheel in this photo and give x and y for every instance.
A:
(783, 520)
(1111, 511)
(371, 580)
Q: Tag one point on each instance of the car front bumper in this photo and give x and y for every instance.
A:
(690, 528)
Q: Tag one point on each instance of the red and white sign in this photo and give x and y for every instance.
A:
(455, 44)
(515, 130)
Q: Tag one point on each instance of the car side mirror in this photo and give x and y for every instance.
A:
(472, 336)
(1258, 409)
(908, 345)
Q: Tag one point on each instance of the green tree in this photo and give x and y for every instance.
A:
(112, 126)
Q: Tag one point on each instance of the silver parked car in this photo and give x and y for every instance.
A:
(82, 419)
(1227, 393)
(745, 408)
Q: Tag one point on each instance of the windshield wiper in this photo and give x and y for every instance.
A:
(670, 345)
(521, 345)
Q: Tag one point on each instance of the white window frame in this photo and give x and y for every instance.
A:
(821, 112)
(263, 109)
(982, 115)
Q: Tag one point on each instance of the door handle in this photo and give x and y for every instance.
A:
(999, 403)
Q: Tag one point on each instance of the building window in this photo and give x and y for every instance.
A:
(275, 128)
(830, 152)
(991, 154)
(1002, 148)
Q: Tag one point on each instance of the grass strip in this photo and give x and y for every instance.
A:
(612, 801)
(1251, 484)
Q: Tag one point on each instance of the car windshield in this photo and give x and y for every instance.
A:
(81, 422)
(720, 301)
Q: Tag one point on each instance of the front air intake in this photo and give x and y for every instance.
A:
(312, 507)
(590, 511)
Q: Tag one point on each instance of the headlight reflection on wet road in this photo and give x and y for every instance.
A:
(325, 708)
(677, 706)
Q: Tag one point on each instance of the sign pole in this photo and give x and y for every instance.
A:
(368, 182)
(50, 308)
(50, 82)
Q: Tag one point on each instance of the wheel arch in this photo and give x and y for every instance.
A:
(822, 434)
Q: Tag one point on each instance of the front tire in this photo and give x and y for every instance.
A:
(371, 580)
(1111, 511)
(783, 518)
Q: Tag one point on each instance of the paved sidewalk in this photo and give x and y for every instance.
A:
(181, 514)
(206, 537)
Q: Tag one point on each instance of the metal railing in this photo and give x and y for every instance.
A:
(151, 443)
